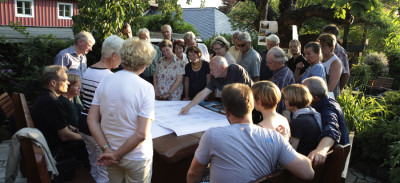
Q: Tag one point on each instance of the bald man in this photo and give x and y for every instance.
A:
(221, 74)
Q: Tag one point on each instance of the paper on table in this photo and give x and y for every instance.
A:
(197, 119)
(158, 131)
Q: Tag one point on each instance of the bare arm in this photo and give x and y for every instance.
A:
(157, 93)
(334, 75)
(295, 142)
(93, 121)
(301, 167)
(178, 82)
(343, 80)
(66, 134)
(186, 88)
(296, 73)
(195, 172)
(318, 155)
(197, 99)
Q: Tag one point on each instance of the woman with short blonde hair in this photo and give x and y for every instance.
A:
(305, 125)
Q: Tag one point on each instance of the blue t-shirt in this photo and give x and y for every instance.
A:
(242, 152)
(316, 70)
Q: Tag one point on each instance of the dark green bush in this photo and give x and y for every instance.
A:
(393, 56)
(22, 63)
(392, 99)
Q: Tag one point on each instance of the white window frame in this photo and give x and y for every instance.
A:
(65, 4)
(24, 15)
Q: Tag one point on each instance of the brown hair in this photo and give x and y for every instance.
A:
(237, 98)
(297, 95)
(328, 39)
(178, 43)
(193, 49)
(165, 43)
(267, 92)
(73, 78)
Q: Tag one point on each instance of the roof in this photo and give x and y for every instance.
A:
(207, 21)
(14, 36)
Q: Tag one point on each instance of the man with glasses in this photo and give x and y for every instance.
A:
(282, 75)
(166, 32)
(74, 57)
(266, 73)
(249, 59)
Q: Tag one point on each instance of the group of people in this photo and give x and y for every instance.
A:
(112, 112)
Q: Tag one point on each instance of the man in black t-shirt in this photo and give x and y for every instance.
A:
(221, 75)
(295, 50)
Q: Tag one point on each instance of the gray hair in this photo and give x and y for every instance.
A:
(85, 36)
(220, 61)
(143, 30)
(279, 54)
(317, 86)
(110, 45)
(273, 38)
(168, 27)
(244, 36)
(189, 35)
(236, 34)
(221, 41)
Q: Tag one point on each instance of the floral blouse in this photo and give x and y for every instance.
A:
(167, 75)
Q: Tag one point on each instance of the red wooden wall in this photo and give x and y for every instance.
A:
(45, 14)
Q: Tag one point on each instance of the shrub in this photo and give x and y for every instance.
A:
(393, 56)
(394, 162)
(379, 63)
(392, 99)
(360, 75)
(361, 112)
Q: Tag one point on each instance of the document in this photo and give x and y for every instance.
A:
(198, 119)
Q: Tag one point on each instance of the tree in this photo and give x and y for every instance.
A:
(242, 16)
(227, 6)
(105, 17)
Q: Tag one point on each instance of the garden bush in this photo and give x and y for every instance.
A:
(379, 63)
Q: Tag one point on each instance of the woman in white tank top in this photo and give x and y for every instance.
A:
(332, 64)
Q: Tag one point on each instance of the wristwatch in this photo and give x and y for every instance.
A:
(105, 147)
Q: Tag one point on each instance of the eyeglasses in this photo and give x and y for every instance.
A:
(242, 45)
(216, 49)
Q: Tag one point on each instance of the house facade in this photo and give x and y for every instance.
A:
(38, 13)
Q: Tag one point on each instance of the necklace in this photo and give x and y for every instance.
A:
(196, 67)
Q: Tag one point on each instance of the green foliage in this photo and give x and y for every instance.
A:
(392, 99)
(379, 63)
(243, 15)
(394, 65)
(154, 23)
(361, 112)
(373, 144)
(360, 74)
(394, 162)
(22, 64)
(313, 25)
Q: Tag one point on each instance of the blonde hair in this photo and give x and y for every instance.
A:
(328, 39)
(297, 95)
(136, 53)
(267, 92)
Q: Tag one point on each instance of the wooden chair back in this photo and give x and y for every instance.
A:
(329, 172)
(22, 115)
(7, 105)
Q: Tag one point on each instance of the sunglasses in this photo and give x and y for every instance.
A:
(242, 45)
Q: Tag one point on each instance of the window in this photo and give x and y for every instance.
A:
(24, 8)
(64, 10)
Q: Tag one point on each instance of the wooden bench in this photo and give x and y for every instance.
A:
(382, 82)
(329, 172)
(33, 165)
(7, 105)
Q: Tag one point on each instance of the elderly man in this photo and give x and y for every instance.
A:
(244, 152)
(235, 49)
(295, 50)
(265, 72)
(221, 75)
(249, 59)
(334, 128)
(342, 54)
(74, 57)
(126, 30)
(190, 40)
(282, 75)
(166, 32)
(49, 116)
(149, 72)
